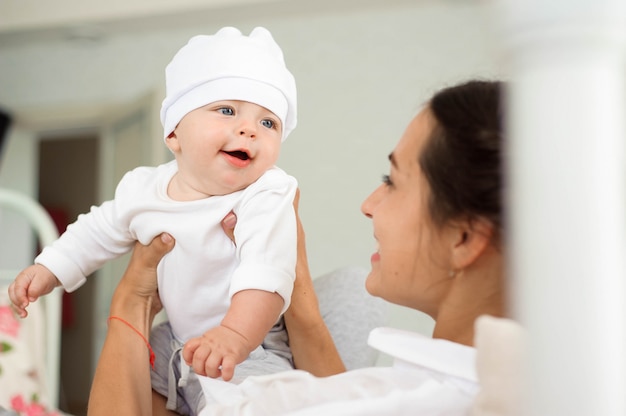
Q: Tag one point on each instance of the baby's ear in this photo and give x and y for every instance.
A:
(171, 141)
(470, 238)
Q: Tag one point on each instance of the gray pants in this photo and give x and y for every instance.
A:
(272, 356)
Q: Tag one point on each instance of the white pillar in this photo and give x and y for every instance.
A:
(568, 231)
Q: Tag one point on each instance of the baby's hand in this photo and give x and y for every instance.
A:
(32, 282)
(216, 352)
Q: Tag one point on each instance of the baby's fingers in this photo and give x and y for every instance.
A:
(21, 312)
(200, 356)
(189, 349)
(228, 368)
(213, 365)
(19, 299)
(18, 292)
(195, 354)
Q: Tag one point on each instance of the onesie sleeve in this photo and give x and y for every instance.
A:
(93, 239)
(266, 237)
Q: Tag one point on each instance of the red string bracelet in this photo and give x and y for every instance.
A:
(139, 333)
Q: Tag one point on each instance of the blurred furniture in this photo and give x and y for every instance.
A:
(31, 347)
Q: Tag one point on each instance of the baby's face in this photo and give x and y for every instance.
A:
(225, 146)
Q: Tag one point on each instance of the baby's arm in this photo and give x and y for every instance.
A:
(251, 315)
(31, 283)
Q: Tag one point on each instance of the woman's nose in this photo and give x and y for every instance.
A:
(368, 206)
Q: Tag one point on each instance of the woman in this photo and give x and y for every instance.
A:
(437, 222)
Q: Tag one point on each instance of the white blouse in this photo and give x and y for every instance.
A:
(428, 377)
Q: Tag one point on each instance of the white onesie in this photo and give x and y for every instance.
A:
(205, 269)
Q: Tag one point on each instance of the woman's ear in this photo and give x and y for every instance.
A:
(469, 241)
(171, 141)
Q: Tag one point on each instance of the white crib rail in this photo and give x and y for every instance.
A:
(46, 231)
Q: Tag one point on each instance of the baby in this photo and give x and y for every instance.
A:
(230, 103)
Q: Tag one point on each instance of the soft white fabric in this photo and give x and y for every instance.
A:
(229, 66)
(500, 344)
(421, 383)
(200, 275)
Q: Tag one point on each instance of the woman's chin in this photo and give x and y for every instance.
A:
(370, 282)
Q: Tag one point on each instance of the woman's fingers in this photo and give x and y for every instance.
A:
(141, 272)
(228, 225)
(151, 255)
(296, 200)
(230, 220)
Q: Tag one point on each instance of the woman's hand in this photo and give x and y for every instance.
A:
(140, 279)
(121, 384)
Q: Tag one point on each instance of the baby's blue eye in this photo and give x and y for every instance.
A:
(267, 123)
(227, 111)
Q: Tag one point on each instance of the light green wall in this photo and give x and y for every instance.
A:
(361, 75)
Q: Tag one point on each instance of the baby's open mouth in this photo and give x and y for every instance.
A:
(239, 154)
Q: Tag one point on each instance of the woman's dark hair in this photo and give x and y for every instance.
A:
(462, 158)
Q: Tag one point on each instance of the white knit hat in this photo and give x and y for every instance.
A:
(229, 66)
